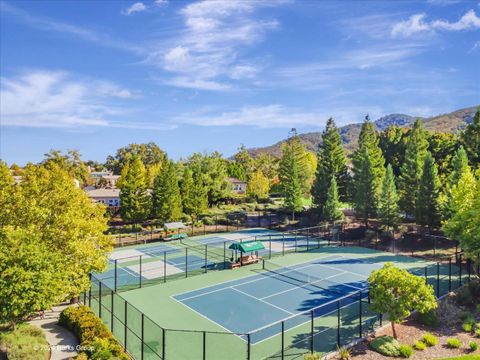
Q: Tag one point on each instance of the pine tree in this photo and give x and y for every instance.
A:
(459, 165)
(331, 210)
(368, 143)
(365, 197)
(167, 202)
(471, 140)
(134, 199)
(388, 205)
(331, 160)
(293, 172)
(411, 170)
(186, 191)
(427, 206)
(199, 201)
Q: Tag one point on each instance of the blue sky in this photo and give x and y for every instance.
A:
(211, 75)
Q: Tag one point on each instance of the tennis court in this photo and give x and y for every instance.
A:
(252, 304)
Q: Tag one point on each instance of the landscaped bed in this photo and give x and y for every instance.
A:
(455, 337)
(26, 342)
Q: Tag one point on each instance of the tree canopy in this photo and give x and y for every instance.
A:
(396, 292)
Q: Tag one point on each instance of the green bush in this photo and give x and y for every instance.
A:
(430, 339)
(420, 345)
(467, 327)
(386, 345)
(473, 345)
(26, 342)
(429, 318)
(406, 350)
(477, 332)
(466, 316)
(453, 343)
(92, 333)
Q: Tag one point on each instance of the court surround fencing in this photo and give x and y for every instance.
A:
(319, 329)
(194, 258)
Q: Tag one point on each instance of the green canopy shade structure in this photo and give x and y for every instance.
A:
(247, 246)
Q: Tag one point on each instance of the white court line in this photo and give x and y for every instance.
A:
(307, 284)
(231, 286)
(246, 282)
(265, 302)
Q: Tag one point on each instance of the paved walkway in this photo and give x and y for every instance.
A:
(62, 342)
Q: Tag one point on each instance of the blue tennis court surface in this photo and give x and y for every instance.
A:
(251, 304)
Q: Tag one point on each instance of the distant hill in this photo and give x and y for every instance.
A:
(451, 123)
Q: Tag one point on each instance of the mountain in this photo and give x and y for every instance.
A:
(451, 122)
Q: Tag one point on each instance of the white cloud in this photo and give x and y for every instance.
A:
(274, 116)
(56, 99)
(417, 24)
(135, 8)
(475, 47)
(161, 2)
(206, 52)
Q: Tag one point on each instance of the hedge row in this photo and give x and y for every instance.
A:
(95, 338)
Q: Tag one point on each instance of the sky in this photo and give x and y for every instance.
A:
(212, 75)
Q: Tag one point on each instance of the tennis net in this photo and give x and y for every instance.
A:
(301, 279)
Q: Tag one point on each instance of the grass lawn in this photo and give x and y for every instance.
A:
(26, 342)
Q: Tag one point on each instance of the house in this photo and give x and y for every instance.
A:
(109, 197)
(238, 186)
(99, 174)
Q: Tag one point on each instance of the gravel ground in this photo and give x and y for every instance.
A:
(409, 331)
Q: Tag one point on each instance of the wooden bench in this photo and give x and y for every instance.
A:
(251, 259)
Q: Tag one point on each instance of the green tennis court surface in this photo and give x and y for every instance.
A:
(222, 310)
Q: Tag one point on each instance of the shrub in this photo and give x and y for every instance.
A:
(453, 343)
(466, 316)
(430, 339)
(429, 318)
(473, 345)
(474, 287)
(467, 327)
(420, 345)
(478, 307)
(26, 342)
(344, 353)
(92, 333)
(311, 356)
(464, 296)
(386, 345)
(477, 332)
(406, 350)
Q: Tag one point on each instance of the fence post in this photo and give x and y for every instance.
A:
(224, 255)
(204, 345)
(270, 248)
(164, 266)
(296, 233)
(438, 279)
(143, 335)
(111, 311)
(360, 315)
(312, 343)
(283, 340)
(426, 275)
(283, 244)
(248, 346)
(163, 343)
(449, 274)
(338, 323)
(186, 262)
(126, 326)
(468, 269)
(140, 277)
(115, 275)
(206, 257)
(100, 299)
(460, 269)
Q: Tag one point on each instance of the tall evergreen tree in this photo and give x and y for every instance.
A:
(135, 201)
(199, 197)
(365, 197)
(331, 160)
(293, 172)
(427, 207)
(459, 166)
(368, 148)
(471, 140)
(388, 205)
(167, 202)
(411, 170)
(331, 210)
(7, 194)
(186, 191)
